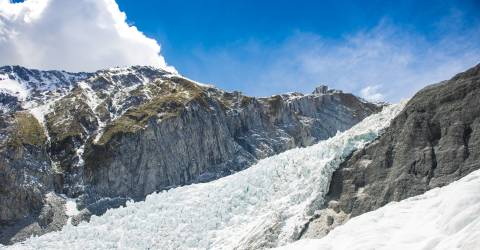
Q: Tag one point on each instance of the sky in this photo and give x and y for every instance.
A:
(380, 50)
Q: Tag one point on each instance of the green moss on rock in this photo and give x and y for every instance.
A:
(168, 103)
(102, 111)
(169, 99)
(27, 130)
(71, 116)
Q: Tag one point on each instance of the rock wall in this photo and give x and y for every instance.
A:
(26, 176)
(433, 142)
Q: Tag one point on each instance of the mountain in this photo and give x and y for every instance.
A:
(426, 148)
(262, 206)
(91, 141)
(434, 141)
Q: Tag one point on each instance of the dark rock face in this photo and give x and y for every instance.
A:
(26, 177)
(8, 102)
(50, 216)
(433, 142)
(119, 134)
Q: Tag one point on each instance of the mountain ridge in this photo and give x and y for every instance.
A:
(124, 133)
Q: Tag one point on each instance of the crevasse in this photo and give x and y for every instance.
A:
(262, 206)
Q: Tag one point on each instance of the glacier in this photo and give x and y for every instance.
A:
(263, 206)
(442, 218)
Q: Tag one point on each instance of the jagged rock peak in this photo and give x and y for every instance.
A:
(323, 89)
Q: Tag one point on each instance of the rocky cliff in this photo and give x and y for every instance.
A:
(95, 140)
(434, 141)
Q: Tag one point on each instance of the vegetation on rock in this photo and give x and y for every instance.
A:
(27, 130)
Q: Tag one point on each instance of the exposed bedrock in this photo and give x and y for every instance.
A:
(433, 142)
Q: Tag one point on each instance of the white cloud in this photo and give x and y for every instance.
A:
(74, 35)
(387, 60)
(393, 61)
(372, 93)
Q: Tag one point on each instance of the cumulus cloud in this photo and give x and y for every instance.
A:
(74, 35)
(372, 93)
(385, 62)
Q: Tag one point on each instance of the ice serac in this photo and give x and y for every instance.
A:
(104, 137)
(434, 141)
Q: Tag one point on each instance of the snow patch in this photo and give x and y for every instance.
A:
(71, 207)
(79, 152)
(40, 111)
(205, 85)
(13, 87)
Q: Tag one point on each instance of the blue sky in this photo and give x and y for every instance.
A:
(183, 25)
(381, 50)
(254, 46)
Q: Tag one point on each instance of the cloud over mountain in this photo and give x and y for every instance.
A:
(74, 35)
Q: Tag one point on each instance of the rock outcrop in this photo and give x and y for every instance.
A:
(102, 138)
(433, 142)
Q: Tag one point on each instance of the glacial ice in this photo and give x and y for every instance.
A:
(262, 206)
(443, 218)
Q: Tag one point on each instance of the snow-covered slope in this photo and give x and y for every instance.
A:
(263, 206)
(442, 218)
(30, 84)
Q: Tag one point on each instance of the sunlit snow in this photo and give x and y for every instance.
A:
(70, 208)
(272, 198)
(13, 87)
(444, 218)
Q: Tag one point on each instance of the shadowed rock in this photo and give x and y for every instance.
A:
(433, 142)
